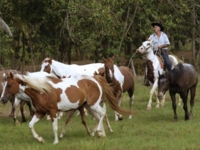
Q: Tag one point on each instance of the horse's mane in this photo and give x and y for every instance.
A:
(39, 84)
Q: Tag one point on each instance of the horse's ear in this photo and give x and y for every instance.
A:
(104, 60)
(113, 57)
(147, 39)
(11, 75)
(50, 59)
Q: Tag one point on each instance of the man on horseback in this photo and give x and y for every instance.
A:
(160, 43)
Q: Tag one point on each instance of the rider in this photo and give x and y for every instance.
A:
(160, 42)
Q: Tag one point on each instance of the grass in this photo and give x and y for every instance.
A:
(152, 129)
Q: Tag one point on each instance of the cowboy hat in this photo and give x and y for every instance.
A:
(158, 24)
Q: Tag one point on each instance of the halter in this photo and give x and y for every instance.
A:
(147, 47)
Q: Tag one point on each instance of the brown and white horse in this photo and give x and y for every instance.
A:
(50, 95)
(128, 85)
(12, 99)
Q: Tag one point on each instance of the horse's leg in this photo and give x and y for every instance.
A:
(96, 116)
(157, 100)
(82, 113)
(172, 95)
(22, 103)
(151, 94)
(55, 129)
(35, 119)
(107, 120)
(131, 96)
(192, 96)
(184, 98)
(117, 115)
(31, 109)
(14, 103)
(102, 112)
(60, 114)
(179, 100)
(70, 114)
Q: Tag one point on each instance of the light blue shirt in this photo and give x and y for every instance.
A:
(159, 41)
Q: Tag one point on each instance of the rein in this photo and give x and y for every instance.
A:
(131, 58)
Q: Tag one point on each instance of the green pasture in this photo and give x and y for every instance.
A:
(152, 129)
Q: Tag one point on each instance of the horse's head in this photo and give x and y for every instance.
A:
(10, 87)
(109, 69)
(163, 84)
(146, 47)
(46, 65)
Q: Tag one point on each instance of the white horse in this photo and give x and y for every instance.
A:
(157, 66)
(64, 70)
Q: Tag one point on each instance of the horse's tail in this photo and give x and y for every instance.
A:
(108, 94)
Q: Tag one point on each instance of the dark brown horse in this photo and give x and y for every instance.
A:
(12, 99)
(128, 84)
(182, 79)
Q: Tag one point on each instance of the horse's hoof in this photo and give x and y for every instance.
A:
(148, 108)
(17, 122)
(41, 140)
(61, 136)
(100, 135)
(120, 118)
(55, 142)
(130, 117)
(92, 134)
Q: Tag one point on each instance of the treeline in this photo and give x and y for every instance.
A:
(69, 30)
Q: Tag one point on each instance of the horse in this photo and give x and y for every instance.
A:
(128, 85)
(154, 65)
(62, 70)
(12, 100)
(50, 95)
(182, 79)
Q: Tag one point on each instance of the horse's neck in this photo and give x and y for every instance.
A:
(151, 55)
(58, 67)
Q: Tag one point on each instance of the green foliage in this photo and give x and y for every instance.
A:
(69, 28)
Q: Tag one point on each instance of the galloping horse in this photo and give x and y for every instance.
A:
(182, 79)
(154, 66)
(128, 85)
(50, 95)
(12, 99)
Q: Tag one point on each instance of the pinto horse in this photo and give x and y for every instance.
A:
(128, 85)
(63, 70)
(182, 79)
(154, 66)
(12, 99)
(50, 95)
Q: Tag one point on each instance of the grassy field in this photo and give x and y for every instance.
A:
(152, 129)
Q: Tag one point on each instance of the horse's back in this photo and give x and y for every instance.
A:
(185, 74)
(128, 78)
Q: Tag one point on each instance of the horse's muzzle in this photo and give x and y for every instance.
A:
(3, 101)
(160, 96)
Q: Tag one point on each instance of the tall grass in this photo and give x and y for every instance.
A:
(152, 129)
